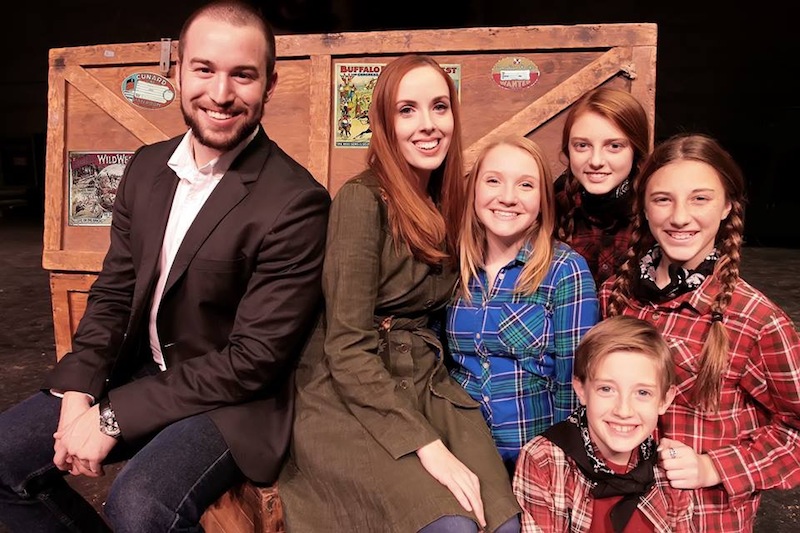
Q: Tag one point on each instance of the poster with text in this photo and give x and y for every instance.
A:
(353, 86)
(93, 181)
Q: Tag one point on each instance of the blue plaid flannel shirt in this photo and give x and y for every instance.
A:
(513, 353)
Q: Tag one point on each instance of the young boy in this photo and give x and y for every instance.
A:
(597, 470)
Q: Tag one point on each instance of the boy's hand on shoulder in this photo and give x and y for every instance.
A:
(685, 468)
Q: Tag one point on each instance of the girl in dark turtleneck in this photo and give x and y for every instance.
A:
(606, 136)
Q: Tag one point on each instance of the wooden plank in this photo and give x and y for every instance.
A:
(106, 100)
(211, 523)
(554, 101)
(287, 118)
(245, 509)
(112, 54)
(463, 40)
(228, 516)
(643, 86)
(75, 261)
(319, 142)
(67, 309)
(60, 302)
(55, 161)
(270, 517)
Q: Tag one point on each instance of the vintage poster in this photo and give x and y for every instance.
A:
(352, 97)
(455, 72)
(93, 180)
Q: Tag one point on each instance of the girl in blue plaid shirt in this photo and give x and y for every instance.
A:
(525, 299)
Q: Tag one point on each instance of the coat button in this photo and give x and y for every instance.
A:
(403, 384)
(429, 303)
(402, 348)
(656, 315)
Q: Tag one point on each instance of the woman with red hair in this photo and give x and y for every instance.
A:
(384, 440)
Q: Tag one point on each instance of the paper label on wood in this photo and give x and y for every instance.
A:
(515, 73)
(93, 181)
(148, 90)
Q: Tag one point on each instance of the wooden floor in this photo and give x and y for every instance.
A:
(27, 349)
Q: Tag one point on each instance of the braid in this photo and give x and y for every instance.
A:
(730, 256)
(714, 356)
(566, 223)
(621, 288)
(707, 388)
(629, 271)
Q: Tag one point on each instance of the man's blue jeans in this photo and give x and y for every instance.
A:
(166, 484)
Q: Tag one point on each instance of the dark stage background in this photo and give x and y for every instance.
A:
(723, 69)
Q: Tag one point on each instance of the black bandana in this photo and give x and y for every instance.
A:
(681, 280)
(572, 436)
(609, 209)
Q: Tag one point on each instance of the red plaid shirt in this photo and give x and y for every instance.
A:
(753, 440)
(556, 497)
(604, 248)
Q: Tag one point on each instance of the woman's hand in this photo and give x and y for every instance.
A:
(450, 472)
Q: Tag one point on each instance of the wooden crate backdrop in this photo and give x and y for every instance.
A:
(87, 112)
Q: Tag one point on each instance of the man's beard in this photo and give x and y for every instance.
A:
(231, 142)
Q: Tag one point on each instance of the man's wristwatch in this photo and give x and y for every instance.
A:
(108, 421)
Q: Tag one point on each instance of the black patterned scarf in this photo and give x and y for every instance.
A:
(572, 436)
(681, 280)
(610, 209)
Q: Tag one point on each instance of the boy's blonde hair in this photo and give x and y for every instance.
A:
(624, 334)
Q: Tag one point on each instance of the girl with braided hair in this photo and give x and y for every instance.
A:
(734, 427)
(606, 137)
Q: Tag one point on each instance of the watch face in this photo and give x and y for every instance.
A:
(108, 423)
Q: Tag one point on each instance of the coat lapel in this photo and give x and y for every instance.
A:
(155, 225)
(232, 188)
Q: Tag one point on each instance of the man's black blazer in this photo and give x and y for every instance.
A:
(242, 294)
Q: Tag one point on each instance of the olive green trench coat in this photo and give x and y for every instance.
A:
(373, 388)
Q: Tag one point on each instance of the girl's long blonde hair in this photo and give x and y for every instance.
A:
(472, 245)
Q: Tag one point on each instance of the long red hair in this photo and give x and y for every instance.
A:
(414, 220)
(626, 113)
